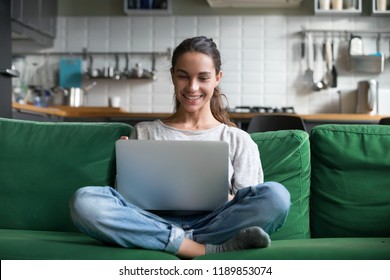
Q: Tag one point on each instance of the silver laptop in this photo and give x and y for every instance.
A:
(173, 176)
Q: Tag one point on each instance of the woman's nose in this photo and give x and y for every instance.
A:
(193, 85)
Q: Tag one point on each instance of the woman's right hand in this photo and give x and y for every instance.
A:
(124, 138)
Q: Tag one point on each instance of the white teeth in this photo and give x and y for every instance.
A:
(193, 97)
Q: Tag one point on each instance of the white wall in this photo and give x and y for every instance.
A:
(260, 56)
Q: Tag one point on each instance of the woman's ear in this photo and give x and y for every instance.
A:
(218, 77)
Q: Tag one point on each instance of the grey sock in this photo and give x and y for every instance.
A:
(248, 238)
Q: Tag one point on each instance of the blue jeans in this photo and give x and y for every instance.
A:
(103, 214)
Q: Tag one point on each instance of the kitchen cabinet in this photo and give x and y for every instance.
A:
(5, 60)
(48, 18)
(35, 20)
(380, 7)
(31, 13)
(16, 10)
(162, 7)
(337, 7)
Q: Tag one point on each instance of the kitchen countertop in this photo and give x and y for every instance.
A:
(67, 111)
(87, 112)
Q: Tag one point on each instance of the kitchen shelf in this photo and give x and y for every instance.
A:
(368, 63)
(376, 12)
(355, 10)
(145, 77)
(86, 55)
(346, 33)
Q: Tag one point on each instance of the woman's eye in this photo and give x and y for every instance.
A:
(204, 78)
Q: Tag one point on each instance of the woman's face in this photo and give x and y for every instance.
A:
(194, 79)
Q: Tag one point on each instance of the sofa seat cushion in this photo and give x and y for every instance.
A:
(285, 157)
(350, 182)
(314, 249)
(43, 164)
(46, 245)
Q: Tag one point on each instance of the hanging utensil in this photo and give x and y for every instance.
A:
(126, 72)
(328, 62)
(319, 58)
(308, 75)
(302, 53)
(117, 72)
(93, 73)
(334, 70)
(378, 43)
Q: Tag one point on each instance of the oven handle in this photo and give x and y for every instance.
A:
(10, 73)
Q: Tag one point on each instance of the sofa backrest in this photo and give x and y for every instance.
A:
(42, 164)
(285, 157)
(350, 185)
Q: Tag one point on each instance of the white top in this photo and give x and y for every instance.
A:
(244, 165)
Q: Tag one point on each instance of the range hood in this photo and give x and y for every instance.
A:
(254, 3)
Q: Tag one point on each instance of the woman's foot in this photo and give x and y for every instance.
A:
(248, 238)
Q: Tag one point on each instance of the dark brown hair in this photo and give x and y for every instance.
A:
(206, 46)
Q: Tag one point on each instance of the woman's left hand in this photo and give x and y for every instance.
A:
(230, 197)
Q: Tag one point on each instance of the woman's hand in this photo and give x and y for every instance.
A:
(124, 138)
(230, 197)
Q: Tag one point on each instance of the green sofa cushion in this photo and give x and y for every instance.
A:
(285, 157)
(314, 249)
(42, 164)
(350, 187)
(46, 245)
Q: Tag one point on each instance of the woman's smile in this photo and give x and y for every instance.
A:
(192, 97)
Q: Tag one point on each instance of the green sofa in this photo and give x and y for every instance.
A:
(338, 178)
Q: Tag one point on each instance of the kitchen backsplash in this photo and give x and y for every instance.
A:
(261, 58)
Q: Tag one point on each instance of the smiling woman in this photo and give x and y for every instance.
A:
(196, 73)
(194, 79)
(252, 210)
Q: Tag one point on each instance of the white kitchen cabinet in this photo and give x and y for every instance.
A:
(337, 7)
(380, 7)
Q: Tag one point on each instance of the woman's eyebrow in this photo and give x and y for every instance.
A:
(205, 73)
(182, 71)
